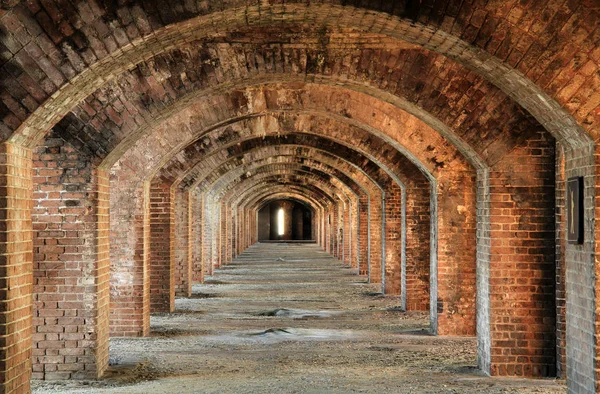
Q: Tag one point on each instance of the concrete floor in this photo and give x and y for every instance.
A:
(291, 319)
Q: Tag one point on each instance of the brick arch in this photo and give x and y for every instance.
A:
(575, 174)
(314, 185)
(221, 178)
(356, 173)
(260, 198)
(258, 205)
(286, 192)
(286, 172)
(356, 191)
(344, 159)
(392, 265)
(325, 15)
(262, 101)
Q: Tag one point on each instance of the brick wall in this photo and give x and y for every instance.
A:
(375, 238)
(418, 254)
(355, 228)
(183, 256)
(162, 247)
(581, 262)
(365, 241)
(347, 234)
(16, 267)
(522, 265)
(129, 255)
(71, 264)
(196, 212)
(560, 277)
(456, 259)
(393, 239)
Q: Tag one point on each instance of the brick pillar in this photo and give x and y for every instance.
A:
(376, 236)
(335, 229)
(561, 290)
(348, 235)
(355, 228)
(71, 264)
(183, 255)
(522, 265)
(231, 234)
(209, 238)
(206, 237)
(129, 255)
(196, 212)
(454, 312)
(393, 239)
(364, 231)
(224, 230)
(328, 229)
(418, 230)
(16, 264)
(162, 247)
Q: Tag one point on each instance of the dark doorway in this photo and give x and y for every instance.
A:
(285, 220)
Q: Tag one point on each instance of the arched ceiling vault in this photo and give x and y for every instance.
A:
(308, 164)
(285, 174)
(236, 179)
(346, 160)
(272, 186)
(263, 198)
(248, 186)
(264, 202)
(255, 200)
(399, 127)
(108, 61)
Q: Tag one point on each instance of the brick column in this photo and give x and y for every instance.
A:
(129, 255)
(196, 212)
(16, 264)
(224, 226)
(418, 232)
(207, 235)
(522, 265)
(71, 264)
(162, 248)
(355, 228)
(393, 239)
(364, 231)
(335, 229)
(348, 235)
(376, 236)
(453, 311)
(183, 245)
(232, 235)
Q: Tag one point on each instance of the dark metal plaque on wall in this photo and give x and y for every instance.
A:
(575, 210)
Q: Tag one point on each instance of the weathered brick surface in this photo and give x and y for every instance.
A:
(130, 254)
(71, 264)
(197, 220)
(57, 72)
(522, 269)
(456, 259)
(183, 245)
(379, 90)
(418, 234)
(162, 247)
(393, 240)
(364, 227)
(16, 264)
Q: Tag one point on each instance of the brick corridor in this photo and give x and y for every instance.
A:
(289, 318)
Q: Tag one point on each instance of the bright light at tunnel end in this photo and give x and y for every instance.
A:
(280, 225)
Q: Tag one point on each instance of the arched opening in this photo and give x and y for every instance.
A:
(285, 220)
(465, 122)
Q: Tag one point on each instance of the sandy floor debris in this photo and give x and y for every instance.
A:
(291, 319)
